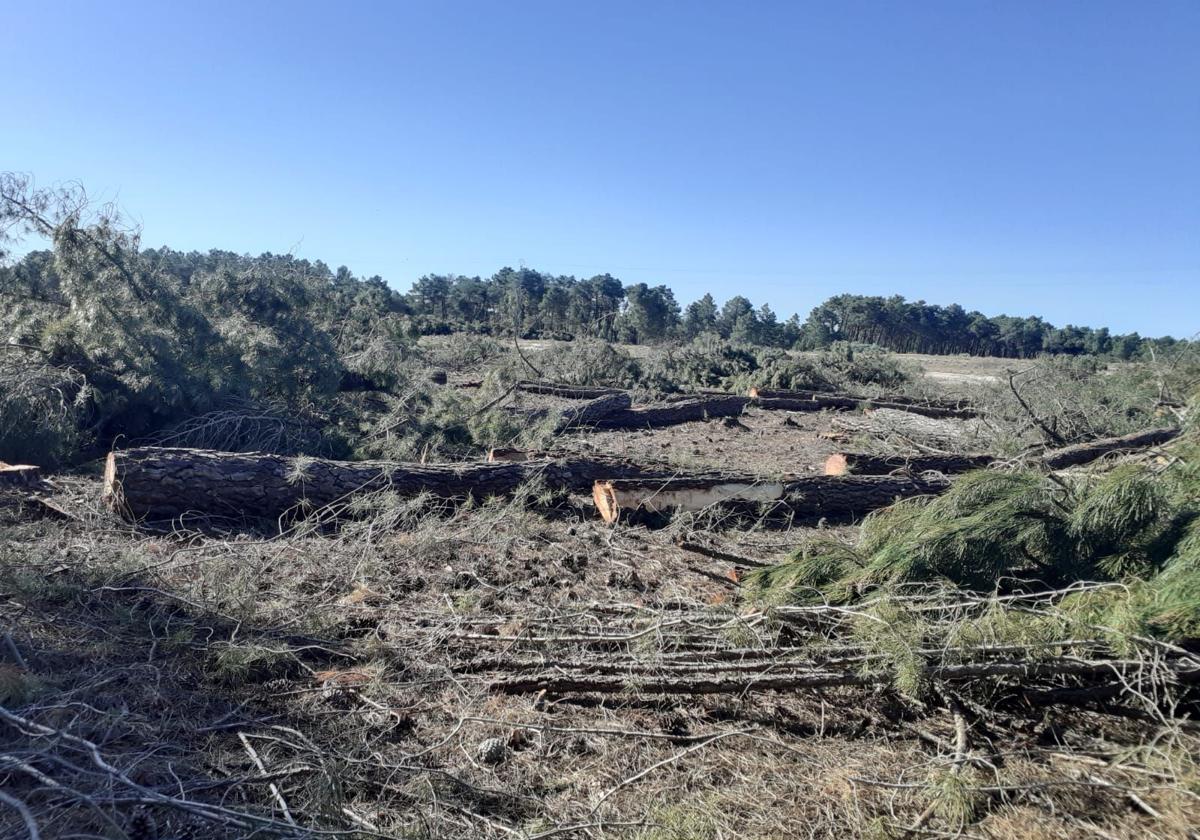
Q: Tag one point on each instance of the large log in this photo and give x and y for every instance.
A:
(672, 414)
(594, 410)
(858, 463)
(161, 484)
(822, 402)
(1084, 453)
(568, 392)
(807, 498)
(894, 399)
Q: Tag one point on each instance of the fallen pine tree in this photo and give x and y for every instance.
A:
(162, 484)
(807, 498)
(891, 399)
(567, 392)
(1084, 453)
(860, 463)
(672, 414)
(821, 402)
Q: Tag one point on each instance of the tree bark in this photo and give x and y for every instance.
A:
(822, 402)
(162, 484)
(857, 463)
(19, 475)
(595, 410)
(1084, 453)
(894, 399)
(569, 392)
(672, 414)
(807, 498)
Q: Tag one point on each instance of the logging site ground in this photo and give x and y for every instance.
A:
(639, 612)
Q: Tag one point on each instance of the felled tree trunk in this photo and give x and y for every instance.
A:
(569, 392)
(1084, 453)
(857, 463)
(162, 484)
(894, 399)
(807, 498)
(672, 414)
(822, 402)
(595, 410)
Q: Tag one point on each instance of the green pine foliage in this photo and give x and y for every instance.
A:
(1137, 525)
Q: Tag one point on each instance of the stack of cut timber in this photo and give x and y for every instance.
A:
(806, 498)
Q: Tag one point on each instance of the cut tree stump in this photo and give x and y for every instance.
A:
(1085, 453)
(857, 463)
(163, 484)
(19, 475)
(807, 498)
(674, 413)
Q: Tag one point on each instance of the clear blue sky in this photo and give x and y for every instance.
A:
(1019, 157)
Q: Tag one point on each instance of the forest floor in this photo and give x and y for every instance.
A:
(351, 679)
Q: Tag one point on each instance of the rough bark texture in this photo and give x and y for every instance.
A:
(894, 399)
(1084, 453)
(19, 475)
(158, 484)
(595, 410)
(672, 414)
(821, 402)
(857, 463)
(569, 392)
(811, 497)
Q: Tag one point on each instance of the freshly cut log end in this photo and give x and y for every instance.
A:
(677, 494)
(847, 463)
(507, 456)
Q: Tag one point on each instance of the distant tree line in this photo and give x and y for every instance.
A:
(534, 304)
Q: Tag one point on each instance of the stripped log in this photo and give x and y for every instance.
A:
(19, 475)
(807, 498)
(1084, 453)
(858, 463)
(672, 414)
(163, 484)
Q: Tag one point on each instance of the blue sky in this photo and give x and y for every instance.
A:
(1018, 157)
